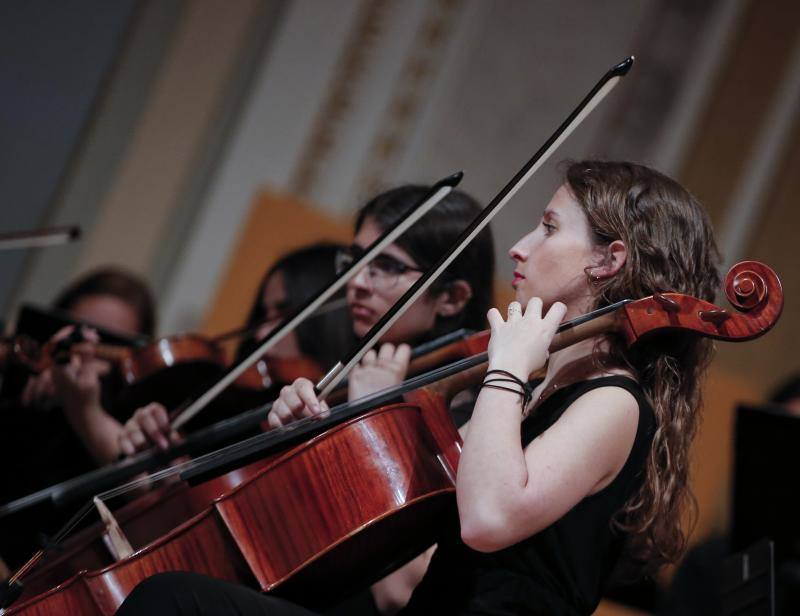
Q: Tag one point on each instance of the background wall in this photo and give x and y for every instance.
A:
(215, 135)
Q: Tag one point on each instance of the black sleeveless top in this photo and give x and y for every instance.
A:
(561, 569)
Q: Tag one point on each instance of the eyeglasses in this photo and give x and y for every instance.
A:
(383, 271)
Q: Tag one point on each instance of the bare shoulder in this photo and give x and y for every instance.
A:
(606, 418)
(606, 404)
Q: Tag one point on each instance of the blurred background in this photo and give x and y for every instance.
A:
(194, 141)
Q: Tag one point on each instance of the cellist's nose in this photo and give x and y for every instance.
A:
(519, 251)
(362, 281)
(266, 328)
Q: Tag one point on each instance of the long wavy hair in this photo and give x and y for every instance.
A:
(671, 248)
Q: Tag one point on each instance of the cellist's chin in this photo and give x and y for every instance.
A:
(361, 327)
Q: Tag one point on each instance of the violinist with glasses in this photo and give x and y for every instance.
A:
(458, 300)
(566, 482)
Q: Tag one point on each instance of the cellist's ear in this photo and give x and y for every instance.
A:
(453, 298)
(612, 259)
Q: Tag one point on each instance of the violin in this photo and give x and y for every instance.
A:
(279, 524)
(166, 370)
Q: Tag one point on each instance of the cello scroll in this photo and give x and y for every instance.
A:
(752, 288)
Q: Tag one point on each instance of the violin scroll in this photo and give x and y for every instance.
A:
(752, 288)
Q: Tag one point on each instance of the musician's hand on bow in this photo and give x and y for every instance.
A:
(378, 371)
(148, 426)
(520, 344)
(296, 401)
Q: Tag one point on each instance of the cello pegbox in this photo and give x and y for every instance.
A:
(716, 316)
(667, 303)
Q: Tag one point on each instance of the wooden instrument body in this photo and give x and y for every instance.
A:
(343, 508)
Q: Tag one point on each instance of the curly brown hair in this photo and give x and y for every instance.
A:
(671, 248)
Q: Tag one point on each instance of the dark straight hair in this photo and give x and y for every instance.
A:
(306, 271)
(430, 238)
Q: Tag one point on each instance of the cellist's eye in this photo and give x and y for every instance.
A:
(548, 228)
(276, 311)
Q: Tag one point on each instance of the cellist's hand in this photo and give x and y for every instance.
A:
(296, 401)
(520, 343)
(148, 426)
(378, 371)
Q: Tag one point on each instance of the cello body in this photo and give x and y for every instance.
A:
(334, 513)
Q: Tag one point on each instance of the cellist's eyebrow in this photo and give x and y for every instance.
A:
(548, 213)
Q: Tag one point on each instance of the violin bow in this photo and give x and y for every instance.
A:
(53, 236)
(601, 89)
(437, 192)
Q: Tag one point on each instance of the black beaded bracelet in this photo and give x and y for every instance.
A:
(526, 391)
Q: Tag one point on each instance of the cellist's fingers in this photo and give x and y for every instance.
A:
(159, 414)
(152, 429)
(402, 356)
(325, 409)
(305, 391)
(175, 437)
(386, 352)
(534, 308)
(274, 417)
(296, 396)
(495, 318)
(279, 414)
(125, 444)
(134, 435)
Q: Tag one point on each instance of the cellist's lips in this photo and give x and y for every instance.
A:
(517, 278)
(360, 311)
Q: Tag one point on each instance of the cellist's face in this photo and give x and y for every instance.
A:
(370, 296)
(552, 260)
(275, 304)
